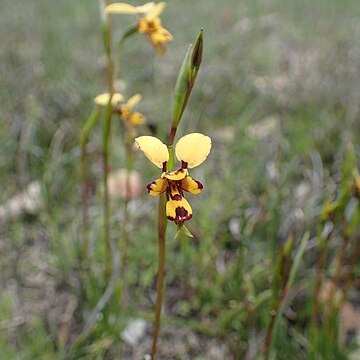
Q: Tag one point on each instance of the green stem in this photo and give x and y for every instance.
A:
(162, 221)
(106, 203)
(172, 135)
(106, 141)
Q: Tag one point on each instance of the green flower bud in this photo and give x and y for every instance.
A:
(186, 79)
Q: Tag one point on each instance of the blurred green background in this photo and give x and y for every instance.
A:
(278, 92)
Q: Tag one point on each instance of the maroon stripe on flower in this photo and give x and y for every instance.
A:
(176, 197)
(181, 215)
(200, 185)
(149, 186)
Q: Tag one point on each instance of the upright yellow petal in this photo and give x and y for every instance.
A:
(193, 149)
(156, 10)
(154, 149)
(146, 8)
(121, 8)
(103, 99)
(157, 187)
(134, 100)
(191, 185)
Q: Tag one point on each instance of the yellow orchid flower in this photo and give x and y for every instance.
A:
(124, 109)
(149, 22)
(126, 113)
(192, 150)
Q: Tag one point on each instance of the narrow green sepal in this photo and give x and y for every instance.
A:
(182, 229)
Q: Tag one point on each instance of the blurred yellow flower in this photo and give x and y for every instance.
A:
(124, 109)
(149, 22)
(192, 150)
(126, 113)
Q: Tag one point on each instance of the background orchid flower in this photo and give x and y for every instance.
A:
(126, 111)
(192, 150)
(149, 21)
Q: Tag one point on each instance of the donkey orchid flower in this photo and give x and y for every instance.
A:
(192, 150)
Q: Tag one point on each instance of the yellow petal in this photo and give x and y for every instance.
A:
(134, 100)
(137, 118)
(156, 10)
(175, 175)
(157, 187)
(193, 149)
(161, 36)
(178, 210)
(146, 8)
(154, 149)
(191, 185)
(121, 8)
(103, 99)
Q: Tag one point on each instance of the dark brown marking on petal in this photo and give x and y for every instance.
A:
(184, 164)
(181, 212)
(199, 184)
(176, 197)
(149, 186)
(164, 166)
(181, 215)
(175, 172)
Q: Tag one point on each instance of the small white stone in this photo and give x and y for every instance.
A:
(134, 331)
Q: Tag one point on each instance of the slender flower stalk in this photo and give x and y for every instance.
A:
(107, 132)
